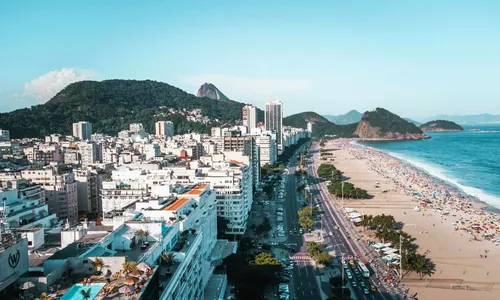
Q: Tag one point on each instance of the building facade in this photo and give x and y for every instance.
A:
(164, 128)
(82, 130)
(273, 119)
(249, 117)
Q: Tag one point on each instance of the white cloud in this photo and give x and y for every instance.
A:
(248, 89)
(46, 86)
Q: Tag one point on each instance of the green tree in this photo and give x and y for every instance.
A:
(323, 258)
(313, 249)
(264, 258)
(98, 264)
(306, 222)
(167, 258)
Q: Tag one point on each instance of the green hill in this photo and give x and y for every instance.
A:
(321, 125)
(382, 124)
(111, 105)
(441, 126)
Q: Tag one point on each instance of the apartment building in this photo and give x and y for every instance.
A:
(273, 120)
(88, 153)
(267, 148)
(164, 128)
(232, 183)
(88, 190)
(25, 207)
(82, 130)
(60, 190)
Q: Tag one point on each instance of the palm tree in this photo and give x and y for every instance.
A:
(140, 234)
(44, 296)
(85, 293)
(146, 234)
(167, 258)
(98, 264)
(130, 266)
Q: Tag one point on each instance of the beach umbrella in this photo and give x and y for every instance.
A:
(129, 281)
(126, 289)
(27, 285)
(143, 266)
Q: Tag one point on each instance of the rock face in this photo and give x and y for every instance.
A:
(441, 126)
(367, 132)
(211, 91)
(381, 124)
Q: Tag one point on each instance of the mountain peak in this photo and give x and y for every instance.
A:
(211, 91)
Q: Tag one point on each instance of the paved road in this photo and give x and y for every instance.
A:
(340, 241)
(304, 279)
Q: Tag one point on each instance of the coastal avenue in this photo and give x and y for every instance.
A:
(304, 273)
(342, 244)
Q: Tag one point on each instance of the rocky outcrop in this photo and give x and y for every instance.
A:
(211, 91)
(441, 126)
(381, 124)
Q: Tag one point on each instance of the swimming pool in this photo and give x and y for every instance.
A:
(74, 292)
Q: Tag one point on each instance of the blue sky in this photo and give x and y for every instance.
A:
(415, 58)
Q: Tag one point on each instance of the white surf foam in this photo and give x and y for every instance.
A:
(442, 174)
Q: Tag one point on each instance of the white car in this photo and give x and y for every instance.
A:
(280, 218)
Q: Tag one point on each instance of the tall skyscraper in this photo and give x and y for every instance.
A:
(249, 117)
(82, 130)
(165, 128)
(310, 127)
(273, 119)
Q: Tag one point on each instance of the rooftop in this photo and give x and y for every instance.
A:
(176, 204)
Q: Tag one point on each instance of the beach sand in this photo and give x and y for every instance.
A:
(455, 252)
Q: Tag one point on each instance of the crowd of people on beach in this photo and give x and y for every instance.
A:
(431, 195)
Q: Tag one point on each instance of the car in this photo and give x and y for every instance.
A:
(356, 271)
(365, 291)
(274, 244)
(331, 233)
(346, 266)
(351, 262)
(349, 275)
(354, 284)
(280, 234)
(373, 288)
(279, 213)
(362, 284)
(279, 218)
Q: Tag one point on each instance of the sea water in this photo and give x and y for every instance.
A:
(469, 160)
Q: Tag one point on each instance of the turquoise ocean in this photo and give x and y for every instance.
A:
(469, 160)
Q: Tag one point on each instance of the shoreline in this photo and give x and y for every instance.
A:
(440, 181)
(443, 226)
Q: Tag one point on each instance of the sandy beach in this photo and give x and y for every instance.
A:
(456, 233)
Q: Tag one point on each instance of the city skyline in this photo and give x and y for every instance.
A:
(409, 58)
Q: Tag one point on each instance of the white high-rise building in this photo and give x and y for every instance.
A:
(310, 127)
(164, 128)
(273, 118)
(60, 191)
(82, 130)
(249, 117)
(136, 127)
(232, 183)
(88, 153)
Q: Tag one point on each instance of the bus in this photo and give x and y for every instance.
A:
(363, 269)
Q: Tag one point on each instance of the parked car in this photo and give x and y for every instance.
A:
(365, 291)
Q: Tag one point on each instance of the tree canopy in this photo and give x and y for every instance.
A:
(111, 105)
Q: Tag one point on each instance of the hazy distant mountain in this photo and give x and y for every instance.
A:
(351, 117)
(211, 91)
(413, 121)
(467, 119)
